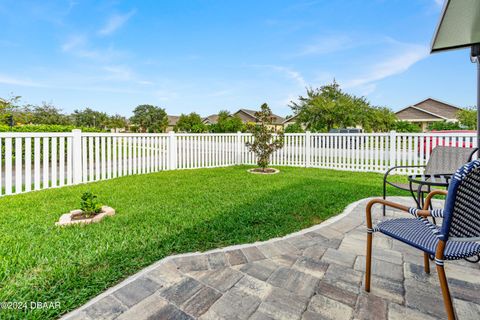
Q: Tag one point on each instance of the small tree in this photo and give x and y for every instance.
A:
(264, 143)
(190, 123)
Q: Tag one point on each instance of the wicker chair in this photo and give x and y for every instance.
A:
(442, 160)
(454, 239)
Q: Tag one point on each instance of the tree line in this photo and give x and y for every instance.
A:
(329, 107)
(320, 110)
(145, 118)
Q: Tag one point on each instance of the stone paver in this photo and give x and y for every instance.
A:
(261, 270)
(315, 274)
(217, 260)
(136, 291)
(236, 257)
(328, 308)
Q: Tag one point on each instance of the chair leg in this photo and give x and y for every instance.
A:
(368, 268)
(447, 299)
(426, 262)
(384, 195)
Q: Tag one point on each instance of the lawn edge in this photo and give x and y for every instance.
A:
(346, 212)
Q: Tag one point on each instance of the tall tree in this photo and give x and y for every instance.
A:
(89, 118)
(468, 118)
(325, 108)
(47, 113)
(8, 108)
(227, 122)
(264, 143)
(329, 107)
(191, 123)
(117, 122)
(150, 118)
(378, 119)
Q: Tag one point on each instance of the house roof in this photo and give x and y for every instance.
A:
(211, 119)
(290, 119)
(429, 109)
(276, 118)
(172, 120)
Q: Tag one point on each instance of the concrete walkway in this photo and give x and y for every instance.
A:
(314, 274)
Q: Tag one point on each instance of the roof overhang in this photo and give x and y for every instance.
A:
(424, 111)
(459, 26)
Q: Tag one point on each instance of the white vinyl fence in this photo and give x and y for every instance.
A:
(34, 161)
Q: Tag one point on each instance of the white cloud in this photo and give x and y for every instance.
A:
(289, 73)
(123, 73)
(74, 42)
(439, 2)
(115, 22)
(19, 82)
(78, 45)
(119, 73)
(328, 44)
(396, 64)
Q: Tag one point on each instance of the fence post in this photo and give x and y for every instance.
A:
(77, 156)
(393, 148)
(239, 148)
(308, 150)
(172, 150)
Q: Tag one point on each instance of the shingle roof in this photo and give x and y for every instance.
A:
(213, 118)
(172, 120)
(276, 118)
(430, 108)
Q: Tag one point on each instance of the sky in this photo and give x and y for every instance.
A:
(204, 55)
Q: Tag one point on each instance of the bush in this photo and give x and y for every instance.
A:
(406, 127)
(444, 125)
(90, 205)
(46, 128)
(294, 128)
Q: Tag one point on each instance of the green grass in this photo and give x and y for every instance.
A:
(157, 215)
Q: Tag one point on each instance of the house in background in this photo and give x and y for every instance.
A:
(290, 121)
(172, 121)
(211, 119)
(428, 111)
(249, 116)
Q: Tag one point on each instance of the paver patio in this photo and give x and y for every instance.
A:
(317, 273)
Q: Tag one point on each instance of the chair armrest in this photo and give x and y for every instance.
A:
(474, 150)
(429, 197)
(420, 213)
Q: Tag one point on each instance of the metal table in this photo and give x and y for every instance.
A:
(424, 183)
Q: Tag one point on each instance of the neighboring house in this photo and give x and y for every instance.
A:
(211, 119)
(430, 110)
(172, 121)
(290, 121)
(249, 116)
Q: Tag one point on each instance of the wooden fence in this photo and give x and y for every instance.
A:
(34, 161)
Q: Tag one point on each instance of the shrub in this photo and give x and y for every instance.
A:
(46, 128)
(405, 126)
(89, 204)
(294, 128)
(444, 125)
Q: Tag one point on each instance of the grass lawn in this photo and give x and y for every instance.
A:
(157, 215)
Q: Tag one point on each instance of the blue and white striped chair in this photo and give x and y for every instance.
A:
(454, 239)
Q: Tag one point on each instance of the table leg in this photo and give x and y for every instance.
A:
(413, 195)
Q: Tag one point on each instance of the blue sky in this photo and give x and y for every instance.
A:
(204, 56)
